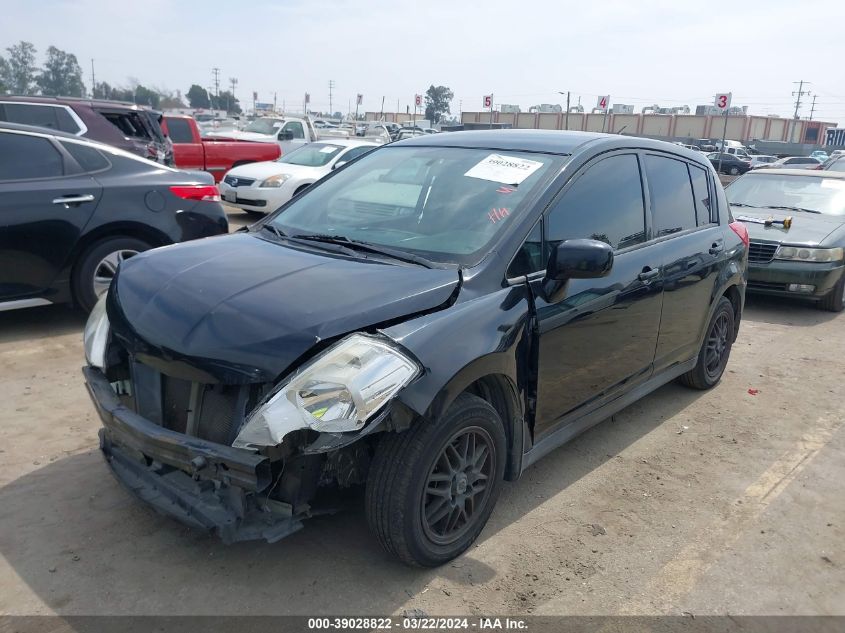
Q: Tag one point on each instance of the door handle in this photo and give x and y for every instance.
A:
(648, 274)
(67, 200)
(717, 247)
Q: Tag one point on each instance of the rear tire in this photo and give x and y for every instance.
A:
(97, 265)
(734, 171)
(834, 301)
(432, 488)
(715, 350)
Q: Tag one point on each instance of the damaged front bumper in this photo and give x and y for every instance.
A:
(200, 483)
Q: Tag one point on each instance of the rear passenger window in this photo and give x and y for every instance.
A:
(31, 114)
(88, 158)
(701, 191)
(604, 203)
(179, 130)
(672, 205)
(66, 121)
(24, 157)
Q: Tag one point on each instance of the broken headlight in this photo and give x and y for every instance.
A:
(336, 392)
(96, 334)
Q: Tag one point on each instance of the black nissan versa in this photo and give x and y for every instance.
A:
(428, 321)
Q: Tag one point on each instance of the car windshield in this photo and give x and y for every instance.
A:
(446, 204)
(313, 155)
(264, 126)
(817, 193)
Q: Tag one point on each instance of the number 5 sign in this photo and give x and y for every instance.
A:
(488, 101)
(601, 103)
(723, 101)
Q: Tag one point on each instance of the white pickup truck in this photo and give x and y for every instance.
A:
(289, 132)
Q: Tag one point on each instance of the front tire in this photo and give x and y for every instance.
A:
(715, 350)
(96, 267)
(432, 488)
(734, 171)
(834, 301)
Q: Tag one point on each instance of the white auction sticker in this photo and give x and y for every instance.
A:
(508, 170)
(328, 149)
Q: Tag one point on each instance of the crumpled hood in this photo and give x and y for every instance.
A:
(807, 228)
(242, 309)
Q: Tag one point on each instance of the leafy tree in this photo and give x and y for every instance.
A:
(198, 97)
(4, 74)
(437, 102)
(169, 99)
(145, 96)
(61, 75)
(20, 77)
(226, 101)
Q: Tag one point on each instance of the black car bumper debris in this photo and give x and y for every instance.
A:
(201, 484)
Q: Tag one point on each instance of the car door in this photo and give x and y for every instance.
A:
(187, 152)
(291, 136)
(45, 202)
(599, 340)
(686, 227)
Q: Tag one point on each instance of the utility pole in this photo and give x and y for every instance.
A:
(331, 87)
(93, 82)
(215, 72)
(233, 81)
(800, 93)
(566, 117)
(813, 107)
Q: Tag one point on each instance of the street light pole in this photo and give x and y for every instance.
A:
(566, 116)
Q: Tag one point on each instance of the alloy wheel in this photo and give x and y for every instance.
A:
(458, 485)
(717, 345)
(106, 269)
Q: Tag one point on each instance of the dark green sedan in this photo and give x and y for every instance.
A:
(796, 223)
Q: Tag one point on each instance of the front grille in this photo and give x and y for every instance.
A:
(238, 181)
(761, 252)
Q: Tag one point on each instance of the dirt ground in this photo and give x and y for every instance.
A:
(728, 501)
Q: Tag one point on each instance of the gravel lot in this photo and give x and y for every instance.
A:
(728, 501)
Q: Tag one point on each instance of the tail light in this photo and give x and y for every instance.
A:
(204, 193)
(741, 231)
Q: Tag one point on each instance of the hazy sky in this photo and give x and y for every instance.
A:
(641, 52)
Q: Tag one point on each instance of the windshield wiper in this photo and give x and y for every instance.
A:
(794, 209)
(742, 204)
(366, 246)
(274, 230)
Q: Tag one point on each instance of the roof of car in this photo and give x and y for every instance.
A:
(818, 173)
(17, 127)
(100, 103)
(545, 141)
(345, 142)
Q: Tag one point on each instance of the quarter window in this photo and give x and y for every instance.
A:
(66, 121)
(701, 191)
(529, 257)
(23, 157)
(88, 158)
(604, 203)
(672, 205)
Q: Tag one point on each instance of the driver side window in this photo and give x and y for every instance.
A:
(293, 129)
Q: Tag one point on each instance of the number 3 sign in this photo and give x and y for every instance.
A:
(723, 101)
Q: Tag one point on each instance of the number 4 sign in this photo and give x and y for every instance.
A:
(723, 101)
(601, 103)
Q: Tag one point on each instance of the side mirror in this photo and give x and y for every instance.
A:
(575, 259)
(285, 135)
(339, 164)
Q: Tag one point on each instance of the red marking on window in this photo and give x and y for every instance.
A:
(497, 214)
(505, 189)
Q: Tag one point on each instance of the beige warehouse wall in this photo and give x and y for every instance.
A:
(656, 124)
(549, 121)
(777, 129)
(627, 121)
(757, 129)
(692, 126)
(526, 121)
(575, 121)
(594, 122)
(507, 118)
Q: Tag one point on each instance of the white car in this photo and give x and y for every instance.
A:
(758, 160)
(264, 187)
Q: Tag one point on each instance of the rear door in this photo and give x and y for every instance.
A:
(686, 227)
(45, 202)
(599, 340)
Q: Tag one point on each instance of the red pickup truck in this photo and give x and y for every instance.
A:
(191, 151)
